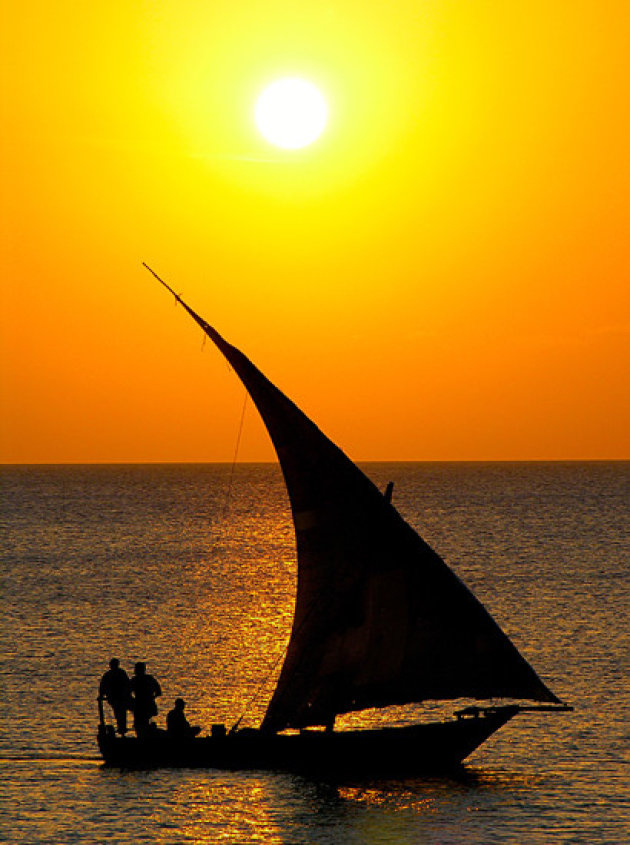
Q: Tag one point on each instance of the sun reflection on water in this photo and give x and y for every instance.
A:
(231, 646)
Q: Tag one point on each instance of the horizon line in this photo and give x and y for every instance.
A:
(357, 461)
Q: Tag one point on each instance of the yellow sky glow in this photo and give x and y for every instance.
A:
(444, 274)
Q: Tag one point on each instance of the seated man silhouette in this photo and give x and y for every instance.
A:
(177, 724)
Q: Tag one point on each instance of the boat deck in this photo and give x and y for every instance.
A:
(398, 751)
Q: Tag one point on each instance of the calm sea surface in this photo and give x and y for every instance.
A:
(158, 563)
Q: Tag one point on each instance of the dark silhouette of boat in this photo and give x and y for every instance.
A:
(379, 620)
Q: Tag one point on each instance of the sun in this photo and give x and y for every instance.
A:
(291, 113)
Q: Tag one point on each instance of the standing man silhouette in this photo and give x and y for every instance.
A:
(145, 690)
(114, 688)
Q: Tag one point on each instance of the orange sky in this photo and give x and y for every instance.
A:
(444, 275)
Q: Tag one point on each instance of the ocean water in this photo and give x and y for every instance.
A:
(175, 565)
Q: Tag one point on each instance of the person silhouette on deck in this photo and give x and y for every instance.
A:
(177, 724)
(114, 688)
(145, 690)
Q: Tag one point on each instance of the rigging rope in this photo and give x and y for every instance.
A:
(259, 688)
(225, 510)
(238, 443)
(282, 654)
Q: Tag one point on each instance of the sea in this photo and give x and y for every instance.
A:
(192, 569)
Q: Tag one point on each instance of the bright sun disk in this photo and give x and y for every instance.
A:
(291, 113)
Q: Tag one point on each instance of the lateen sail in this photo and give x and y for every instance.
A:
(379, 618)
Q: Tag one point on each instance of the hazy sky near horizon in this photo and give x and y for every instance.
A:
(443, 275)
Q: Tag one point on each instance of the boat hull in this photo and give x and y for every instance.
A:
(396, 752)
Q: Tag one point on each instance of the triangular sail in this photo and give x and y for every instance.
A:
(379, 618)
